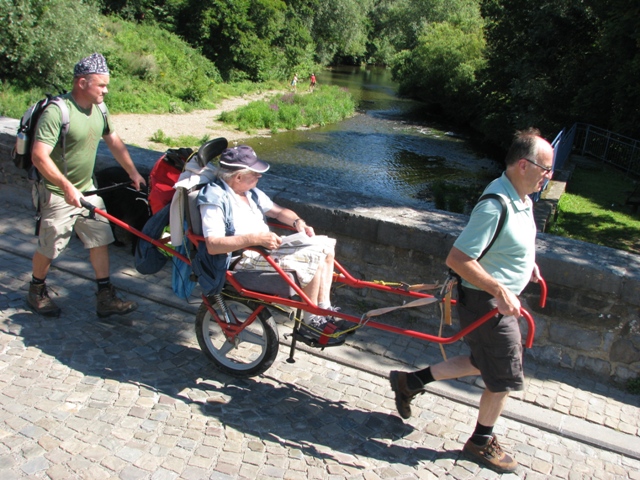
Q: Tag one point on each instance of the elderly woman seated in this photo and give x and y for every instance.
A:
(233, 214)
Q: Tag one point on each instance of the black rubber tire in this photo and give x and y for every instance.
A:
(257, 344)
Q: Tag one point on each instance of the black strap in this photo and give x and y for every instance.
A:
(501, 222)
(503, 219)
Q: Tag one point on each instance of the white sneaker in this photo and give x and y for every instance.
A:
(333, 308)
(317, 321)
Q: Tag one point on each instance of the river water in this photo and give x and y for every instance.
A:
(386, 150)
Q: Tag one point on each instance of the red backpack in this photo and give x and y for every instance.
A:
(164, 176)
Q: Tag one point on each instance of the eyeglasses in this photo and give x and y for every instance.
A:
(546, 169)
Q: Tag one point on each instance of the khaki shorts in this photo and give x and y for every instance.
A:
(59, 220)
(496, 346)
(302, 260)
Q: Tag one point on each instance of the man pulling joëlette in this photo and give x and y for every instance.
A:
(66, 175)
(494, 281)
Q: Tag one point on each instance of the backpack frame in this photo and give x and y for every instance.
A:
(22, 151)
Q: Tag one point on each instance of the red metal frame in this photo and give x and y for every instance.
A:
(341, 276)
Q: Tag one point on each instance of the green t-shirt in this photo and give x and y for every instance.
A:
(86, 128)
(511, 258)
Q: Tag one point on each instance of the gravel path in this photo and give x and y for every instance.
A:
(136, 129)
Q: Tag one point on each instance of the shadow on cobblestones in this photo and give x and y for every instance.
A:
(283, 412)
(99, 364)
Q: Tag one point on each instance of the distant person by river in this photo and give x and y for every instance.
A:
(294, 82)
(312, 83)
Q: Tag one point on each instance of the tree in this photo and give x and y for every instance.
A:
(610, 98)
(340, 29)
(403, 22)
(440, 51)
(243, 37)
(537, 57)
(40, 40)
(441, 69)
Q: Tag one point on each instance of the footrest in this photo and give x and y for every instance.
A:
(315, 339)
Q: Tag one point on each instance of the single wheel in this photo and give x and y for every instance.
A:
(255, 347)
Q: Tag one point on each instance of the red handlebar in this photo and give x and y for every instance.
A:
(543, 292)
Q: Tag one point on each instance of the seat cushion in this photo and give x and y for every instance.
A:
(270, 283)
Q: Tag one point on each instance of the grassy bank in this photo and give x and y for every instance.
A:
(152, 71)
(327, 104)
(593, 209)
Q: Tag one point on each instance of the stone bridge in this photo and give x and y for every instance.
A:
(591, 322)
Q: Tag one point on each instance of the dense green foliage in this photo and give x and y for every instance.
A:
(441, 63)
(40, 40)
(143, 58)
(327, 104)
(182, 141)
(495, 65)
(537, 58)
(593, 210)
(152, 71)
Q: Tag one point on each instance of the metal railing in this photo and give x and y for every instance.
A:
(587, 140)
(612, 148)
(562, 146)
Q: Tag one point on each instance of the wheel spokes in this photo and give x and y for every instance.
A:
(252, 337)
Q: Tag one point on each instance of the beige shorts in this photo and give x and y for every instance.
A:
(302, 260)
(59, 220)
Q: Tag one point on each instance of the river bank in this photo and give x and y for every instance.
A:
(137, 129)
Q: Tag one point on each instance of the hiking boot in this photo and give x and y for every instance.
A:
(38, 299)
(491, 455)
(108, 303)
(404, 394)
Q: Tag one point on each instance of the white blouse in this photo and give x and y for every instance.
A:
(246, 218)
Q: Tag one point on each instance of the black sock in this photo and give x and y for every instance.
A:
(103, 283)
(417, 380)
(425, 376)
(36, 281)
(481, 435)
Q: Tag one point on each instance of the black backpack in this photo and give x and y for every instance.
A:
(21, 153)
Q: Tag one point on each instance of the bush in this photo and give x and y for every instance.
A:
(152, 71)
(157, 66)
(41, 40)
(14, 101)
(328, 104)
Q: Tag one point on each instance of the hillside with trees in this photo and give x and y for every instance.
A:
(492, 65)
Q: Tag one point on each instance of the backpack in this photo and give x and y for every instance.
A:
(21, 153)
(164, 175)
(148, 258)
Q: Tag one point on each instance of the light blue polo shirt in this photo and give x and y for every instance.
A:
(512, 257)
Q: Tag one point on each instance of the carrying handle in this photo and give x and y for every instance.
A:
(111, 188)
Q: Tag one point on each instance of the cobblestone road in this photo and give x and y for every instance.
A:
(134, 398)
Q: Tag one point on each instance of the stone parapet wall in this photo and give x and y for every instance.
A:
(592, 318)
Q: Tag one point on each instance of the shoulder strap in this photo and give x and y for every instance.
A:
(64, 112)
(103, 110)
(64, 127)
(503, 218)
